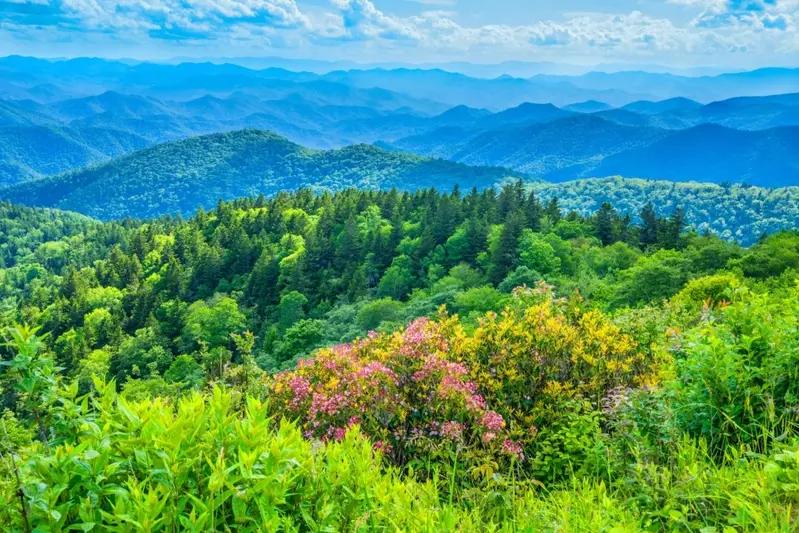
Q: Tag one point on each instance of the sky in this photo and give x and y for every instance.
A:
(679, 33)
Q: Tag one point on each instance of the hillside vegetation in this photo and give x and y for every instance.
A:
(262, 300)
(182, 176)
(742, 213)
(380, 360)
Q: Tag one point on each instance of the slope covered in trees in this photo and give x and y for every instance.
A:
(585, 371)
(181, 176)
(302, 270)
(737, 212)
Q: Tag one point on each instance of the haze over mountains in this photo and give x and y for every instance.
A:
(61, 116)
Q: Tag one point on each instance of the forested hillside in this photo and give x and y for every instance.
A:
(302, 270)
(543, 392)
(732, 211)
(182, 176)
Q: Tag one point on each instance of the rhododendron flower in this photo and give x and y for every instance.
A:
(492, 421)
(382, 446)
(322, 404)
(475, 402)
(510, 447)
(452, 430)
(415, 333)
(301, 388)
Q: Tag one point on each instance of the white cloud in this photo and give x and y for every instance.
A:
(187, 18)
(715, 27)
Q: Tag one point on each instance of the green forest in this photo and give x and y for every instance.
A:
(363, 360)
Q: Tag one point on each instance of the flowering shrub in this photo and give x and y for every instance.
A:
(493, 394)
(403, 390)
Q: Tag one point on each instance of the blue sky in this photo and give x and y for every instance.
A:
(680, 33)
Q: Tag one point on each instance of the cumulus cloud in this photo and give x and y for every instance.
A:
(758, 15)
(717, 26)
(165, 18)
(361, 20)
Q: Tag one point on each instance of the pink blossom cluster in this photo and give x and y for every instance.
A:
(301, 388)
(452, 430)
(492, 421)
(416, 332)
(421, 338)
(322, 404)
(452, 384)
(402, 390)
(513, 448)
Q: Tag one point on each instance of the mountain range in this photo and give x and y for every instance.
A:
(58, 117)
(549, 142)
(49, 80)
(591, 145)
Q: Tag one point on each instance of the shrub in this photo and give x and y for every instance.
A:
(738, 373)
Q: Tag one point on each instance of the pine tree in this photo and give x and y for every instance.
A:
(605, 223)
(649, 226)
(533, 211)
(553, 211)
(672, 230)
(348, 249)
(476, 239)
(504, 256)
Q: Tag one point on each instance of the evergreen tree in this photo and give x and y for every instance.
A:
(533, 211)
(553, 211)
(650, 226)
(605, 222)
(504, 256)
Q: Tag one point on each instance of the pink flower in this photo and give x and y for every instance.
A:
(513, 448)
(339, 433)
(372, 334)
(475, 402)
(415, 333)
(452, 430)
(488, 437)
(492, 421)
(321, 404)
(301, 388)
(382, 446)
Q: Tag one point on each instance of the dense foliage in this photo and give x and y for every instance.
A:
(373, 360)
(612, 440)
(24, 231)
(303, 271)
